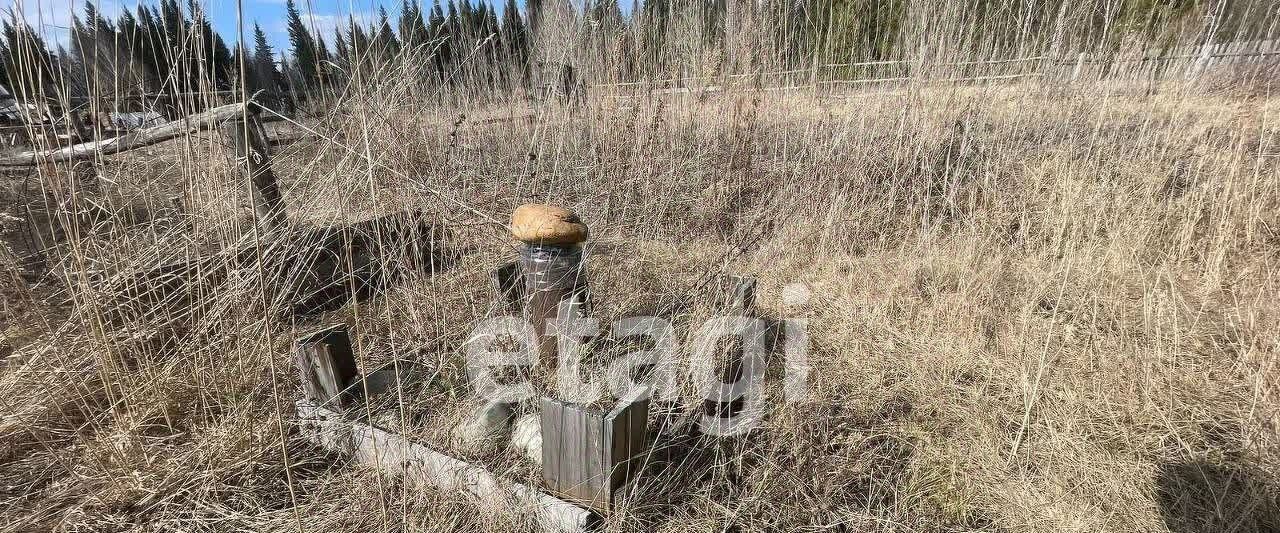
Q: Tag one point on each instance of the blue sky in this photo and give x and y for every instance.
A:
(53, 17)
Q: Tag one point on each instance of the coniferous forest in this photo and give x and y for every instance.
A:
(172, 48)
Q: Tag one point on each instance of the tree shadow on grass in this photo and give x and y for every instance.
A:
(1198, 496)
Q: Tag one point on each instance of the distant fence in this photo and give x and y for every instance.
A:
(1182, 62)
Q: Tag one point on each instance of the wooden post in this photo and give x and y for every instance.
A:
(326, 366)
(253, 155)
(1075, 73)
(587, 456)
(736, 295)
(509, 287)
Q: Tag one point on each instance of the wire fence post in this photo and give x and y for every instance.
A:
(253, 156)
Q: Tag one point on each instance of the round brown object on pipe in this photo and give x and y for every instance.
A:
(547, 224)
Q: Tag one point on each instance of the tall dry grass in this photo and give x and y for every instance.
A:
(1037, 306)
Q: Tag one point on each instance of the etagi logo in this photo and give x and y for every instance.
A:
(508, 341)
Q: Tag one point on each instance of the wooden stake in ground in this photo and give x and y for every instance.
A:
(326, 367)
(253, 156)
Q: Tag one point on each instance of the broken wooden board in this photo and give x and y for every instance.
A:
(344, 430)
(394, 454)
(326, 366)
(330, 266)
(587, 455)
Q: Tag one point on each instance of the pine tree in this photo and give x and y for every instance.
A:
(83, 79)
(222, 62)
(607, 14)
(136, 43)
(63, 65)
(438, 30)
(436, 24)
(28, 64)
(491, 24)
(241, 67)
(95, 21)
(387, 43)
(360, 41)
(151, 45)
(491, 29)
(212, 51)
(413, 28)
(264, 76)
(514, 34)
(173, 30)
(306, 58)
(533, 17)
(453, 23)
(606, 18)
(342, 51)
(93, 53)
(322, 54)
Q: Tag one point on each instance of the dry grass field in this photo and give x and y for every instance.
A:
(1036, 307)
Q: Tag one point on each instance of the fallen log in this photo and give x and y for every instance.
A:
(144, 137)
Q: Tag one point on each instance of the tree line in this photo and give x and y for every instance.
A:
(172, 48)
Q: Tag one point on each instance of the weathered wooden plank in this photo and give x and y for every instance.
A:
(628, 436)
(394, 454)
(571, 464)
(637, 438)
(589, 455)
(615, 445)
(326, 365)
(328, 263)
(552, 427)
(595, 460)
